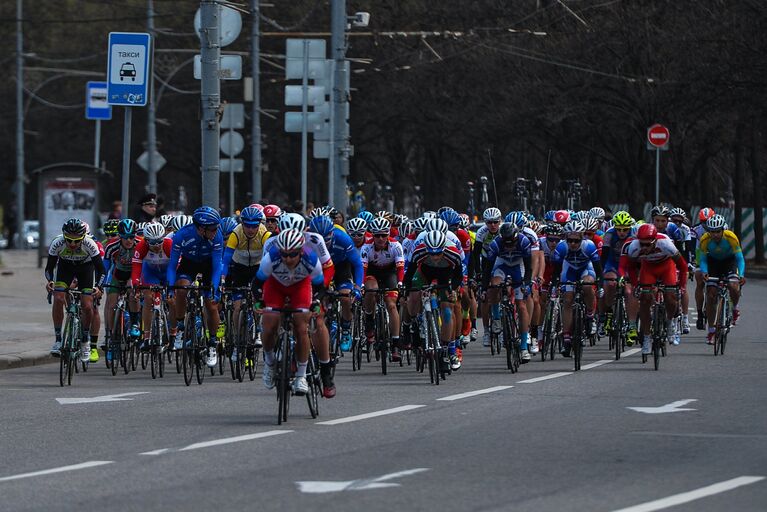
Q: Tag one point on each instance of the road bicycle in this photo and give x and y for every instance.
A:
(619, 324)
(579, 331)
(159, 332)
(71, 339)
(552, 325)
(722, 315)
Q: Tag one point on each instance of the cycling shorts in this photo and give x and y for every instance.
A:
(424, 276)
(240, 275)
(572, 274)
(343, 278)
(119, 278)
(299, 294)
(152, 274)
(651, 273)
(67, 271)
(189, 269)
(719, 269)
(385, 277)
(514, 273)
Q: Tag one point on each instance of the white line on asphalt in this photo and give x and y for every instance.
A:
(359, 417)
(595, 364)
(686, 497)
(700, 434)
(474, 393)
(631, 352)
(156, 452)
(235, 439)
(75, 467)
(545, 377)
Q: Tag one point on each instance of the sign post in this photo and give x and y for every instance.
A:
(129, 73)
(657, 139)
(97, 108)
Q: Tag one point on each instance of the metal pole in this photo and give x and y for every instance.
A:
(305, 124)
(331, 142)
(657, 175)
(19, 124)
(126, 160)
(255, 161)
(210, 99)
(151, 127)
(97, 148)
(231, 175)
(340, 97)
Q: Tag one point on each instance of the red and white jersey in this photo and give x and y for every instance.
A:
(390, 256)
(663, 250)
(465, 240)
(157, 260)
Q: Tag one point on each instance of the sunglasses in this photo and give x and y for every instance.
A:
(357, 235)
(553, 240)
(128, 237)
(622, 230)
(574, 240)
(380, 236)
(290, 254)
(155, 242)
(493, 222)
(73, 240)
(272, 220)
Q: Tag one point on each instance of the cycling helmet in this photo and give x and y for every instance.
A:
(386, 215)
(399, 219)
(597, 213)
(549, 216)
(519, 219)
(451, 218)
(590, 224)
(435, 242)
(272, 211)
(509, 232)
(677, 212)
(716, 222)
(419, 224)
(179, 221)
(406, 229)
(292, 221)
(705, 213)
(317, 212)
(436, 225)
(356, 226)
(622, 219)
(321, 225)
(554, 230)
(127, 228)
(366, 216)
(465, 221)
(258, 207)
(206, 216)
(443, 209)
(493, 214)
(561, 217)
(74, 228)
(380, 226)
(165, 220)
(140, 228)
(429, 214)
(227, 226)
(659, 211)
(331, 211)
(110, 227)
(251, 216)
(647, 232)
(536, 226)
(154, 233)
(574, 226)
(290, 240)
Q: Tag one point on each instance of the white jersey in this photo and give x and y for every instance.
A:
(664, 249)
(313, 240)
(82, 254)
(389, 257)
(531, 235)
(452, 239)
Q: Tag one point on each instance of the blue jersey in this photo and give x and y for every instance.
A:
(579, 258)
(189, 245)
(673, 232)
(341, 247)
(612, 241)
(510, 256)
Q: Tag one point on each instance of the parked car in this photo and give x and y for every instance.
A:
(31, 236)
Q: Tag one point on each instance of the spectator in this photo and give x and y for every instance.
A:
(9, 220)
(147, 208)
(117, 210)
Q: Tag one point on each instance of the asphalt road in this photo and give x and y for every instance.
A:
(567, 442)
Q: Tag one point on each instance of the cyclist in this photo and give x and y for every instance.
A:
(697, 233)
(118, 260)
(434, 259)
(357, 229)
(686, 247)
(537, 261)
(614, 240)
(656, 256)
(509, 257)
(552, 235)
(73, 256)
(272, 214)
(287, 271)
(462, 308)
(199, 247)
(485, 236)
(720, 257)
(149, 267)
(384, 264)
(576, 258)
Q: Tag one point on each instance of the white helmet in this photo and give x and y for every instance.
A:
(290, 240)
(590, 224)
(166, 219)
(154, 233)
(429, 214)
(435, 241)
(292, 221)
(716, 222)
(179, 221)
(437, 225)
(597, 213)
(380, 226)
(574, 226)
(356, 226)
(491, 214)
(419, 224)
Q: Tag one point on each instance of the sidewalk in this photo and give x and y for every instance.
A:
(26, 333)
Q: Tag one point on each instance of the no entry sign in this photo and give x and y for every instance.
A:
(657, 135)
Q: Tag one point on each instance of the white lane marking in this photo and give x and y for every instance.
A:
(631, 352)
(545, 377)
(75, 467)
(595, 364)
(474, 393)
(363, 484)
(104, 398)
(699, 434)
(359, 417)
(156, 452)
(686, 497)
(236, 439)
(672, 407)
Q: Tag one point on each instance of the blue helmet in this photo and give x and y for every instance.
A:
(321, 225)
(366, 216)
(549, 216)
(227, 226)
(206, 216)
(251, 216)
(451, 217)
(127, 228)
(519, 219)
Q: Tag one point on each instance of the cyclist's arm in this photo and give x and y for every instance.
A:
(226, 260)
(50, 266)
(681, 266)
(741, 262)
(702, 260)
(356, 262)
(526, 261)
(98, 265)
(175, 254)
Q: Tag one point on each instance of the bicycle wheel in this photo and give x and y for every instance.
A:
(382, 339)
(187, 350)
(200, 351)
(313, 379)
(283, 379)
(577, 339)
(617, 328)
(430, 354)
(659, 320)
(436, 348)
(154, 341)
(508, 340)
(548, 337)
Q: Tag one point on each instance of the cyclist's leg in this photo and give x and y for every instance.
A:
(369, 305)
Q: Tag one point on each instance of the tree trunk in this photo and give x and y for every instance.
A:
(740, 162)
(756, 170)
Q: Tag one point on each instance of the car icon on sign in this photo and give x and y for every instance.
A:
(128, 70)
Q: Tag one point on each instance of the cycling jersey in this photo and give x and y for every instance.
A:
(273, 266)
(317, 244)
(81, 254)
(192, 247)
(342, 250)
(579, 258)
(657, 263)
(389, 259)
(612, 246)
(673, 232)
(243, 250)
(71, 263)
(446, 270)
(727, 247)
(118, 261)
(499, 253)
(663, 250)
(150, 267)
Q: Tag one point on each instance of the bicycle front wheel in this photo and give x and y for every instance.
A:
(577, 339)
(283, 379)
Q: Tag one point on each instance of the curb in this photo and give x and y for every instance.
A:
(24, 359)
(756, 274)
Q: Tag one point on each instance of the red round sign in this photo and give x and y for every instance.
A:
(657, 135)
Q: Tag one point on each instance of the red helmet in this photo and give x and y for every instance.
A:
(705, 213)
(647, 232)
(561, 217)
(257, 206)
(272, 211)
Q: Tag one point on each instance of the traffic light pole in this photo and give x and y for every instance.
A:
(20, 209)
(151, 127)
(256, 162)
(340, 96)
(210, 98)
